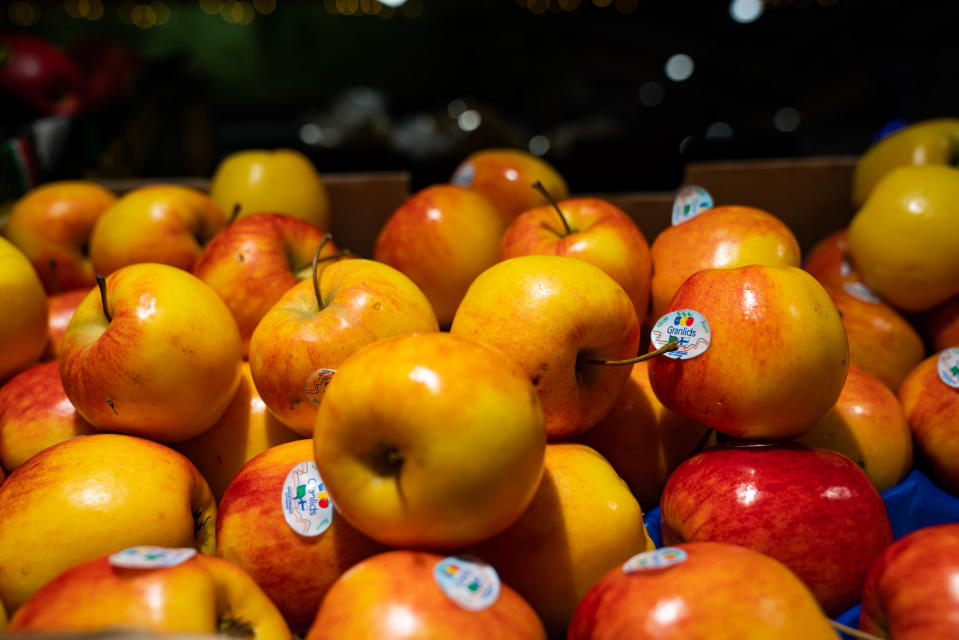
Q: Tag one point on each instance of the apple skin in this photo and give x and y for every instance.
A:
(255, 260)
(881, 340)
(720, 591)
(430, 441)
(163, 223)
(41, 75)
(932, 411)
(812, 509)
(602, 235)
(828, 263)
(546, 312)
(868, 426)
(246, 429)
(165, 367)
(23, 334)
(280, 180)
(506, 176)
(910, 592)
(295, 571)
(642, 439)
(941, 325)
(777, 360)
(718, 238)
(199, 595)
(581, 522)
(93, 495)
(60, 310)
(35, 413)
(362, 301)
(54, 222)
(442, 238)
(393, 595)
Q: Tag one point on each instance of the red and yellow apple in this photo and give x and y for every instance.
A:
(828, 262)
(23, 328)
(60, 310)
(941, 324)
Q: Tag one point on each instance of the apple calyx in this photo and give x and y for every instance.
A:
(387, 460)
(669, 346)
(546, 194)
(850, 631)
(102, 285)
(235, 627)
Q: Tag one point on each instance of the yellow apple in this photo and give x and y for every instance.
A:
(93, 495)
(430, 441)
(275, 181)
(23, 324)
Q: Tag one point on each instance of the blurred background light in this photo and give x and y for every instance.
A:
(786, 119)
(745, 11)
(679, 67)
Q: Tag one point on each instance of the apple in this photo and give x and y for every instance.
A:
(60, 310)
(430, 441)
(315, 325)
(200, 594)
(442, 237)
(931, 406)
(903, 239)
(35, 413)
(722, 237)
(163, 223)
(415, 594)
(160, 358)
(867, 425)
(93, 495)
(255, 260)
(293, 569)
(110, 70)
(699, 590)
(279, 180)
(812, 509)
(881, 340)
(592, 230)
(910, 592)
(505, 176)
(941, 324)
(560, 318)
(828, 261)
(40, 74)
(643, 440)
(53, 222)
(582, 521)
(246, 429)
(23, 333)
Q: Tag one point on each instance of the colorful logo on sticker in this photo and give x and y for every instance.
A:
(146, 557)
(463, 176)
(687, 328)
(948, 365)
(861, 292)
(690, 201)
(662, 558)
(306, 505)
(316, 384)
(471, 584)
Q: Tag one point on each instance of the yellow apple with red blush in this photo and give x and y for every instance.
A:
(23, 334)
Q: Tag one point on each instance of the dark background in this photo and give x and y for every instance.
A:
(385, 88)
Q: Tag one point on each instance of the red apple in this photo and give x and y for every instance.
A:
(828, 263)
(699, 590)
(910, 592)
(255, 260)
(60, 310)
(941, 325)
(592, 230)
(40, 74)
(812, 509)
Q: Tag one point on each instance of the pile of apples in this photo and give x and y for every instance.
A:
(214, 419)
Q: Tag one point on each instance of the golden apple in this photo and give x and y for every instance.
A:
(23, 326)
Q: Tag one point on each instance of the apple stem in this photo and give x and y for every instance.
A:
(316, 260)
(849, 631)
(102, 284)
(234, 214)
(54, 280)
(539, 187)
(669, 346)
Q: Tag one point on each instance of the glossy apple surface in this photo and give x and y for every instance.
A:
(60, 310)
(812, 509)
(715, 591)
(23, 334)
(828, 261)
(549, 313)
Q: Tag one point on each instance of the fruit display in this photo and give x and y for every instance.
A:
(517, 415)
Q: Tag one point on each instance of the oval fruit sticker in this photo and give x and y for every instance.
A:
(146, 557)
(661, 558)
(471, 584)
(463, 176)
(690, 201)
(316, 384)
(306, 505)
(948, 365)
(685, 326)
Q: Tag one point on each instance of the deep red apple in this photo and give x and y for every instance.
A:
(40, 74)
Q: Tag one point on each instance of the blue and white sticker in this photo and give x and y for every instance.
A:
(686, 327)
(316, 383)
(661, 558)
(472, 584)
(861, 292)
(463, 176)
(307, 506)
(690, 201)
(948, 365)
(147, 557)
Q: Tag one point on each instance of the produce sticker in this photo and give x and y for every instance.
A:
(949, 367)
(146, 557)
(316, 384)
(862, 292)
(463, 176)
(306, 504)
(472, 584)
(690, 201)
(686, 327)
(661, 558)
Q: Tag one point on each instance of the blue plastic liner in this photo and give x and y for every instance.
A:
(913, 504)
